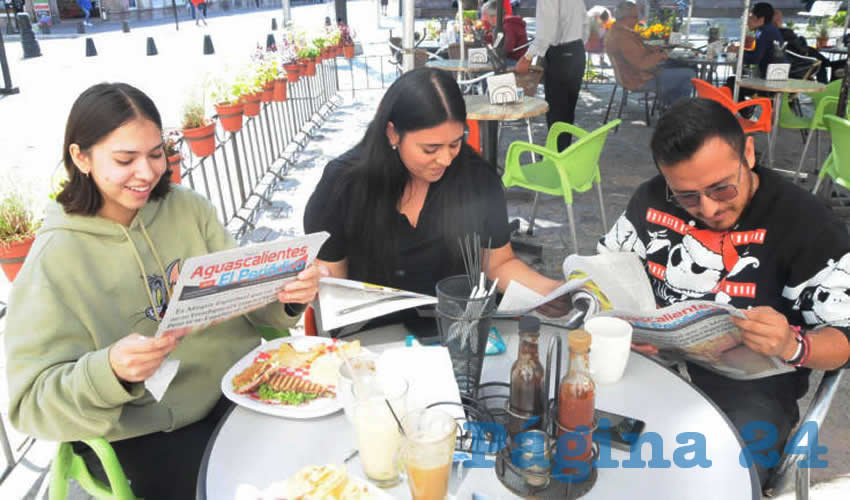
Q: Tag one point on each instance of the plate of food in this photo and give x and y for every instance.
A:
(293, 377)
(314, 482)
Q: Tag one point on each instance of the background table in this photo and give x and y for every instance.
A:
(478, 107)
(779, 87)
(706, 67)
(459, 66)
(251, 448)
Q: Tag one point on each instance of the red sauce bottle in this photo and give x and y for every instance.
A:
(576, 395)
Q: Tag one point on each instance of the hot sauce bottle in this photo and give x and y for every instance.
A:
(526, 398)
(576, 395)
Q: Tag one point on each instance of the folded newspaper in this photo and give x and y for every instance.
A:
(345, 302)
(698, 331)
(222, 285)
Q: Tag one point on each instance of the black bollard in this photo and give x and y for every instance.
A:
(208, 46)
(125, 26)
(151, 47)
(44, 28)
(90, 50)
(274, 24)
(7, 88)
(28, 41)
(81, 28)
(270, 43)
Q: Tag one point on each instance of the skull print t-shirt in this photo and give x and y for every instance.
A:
(787, 251)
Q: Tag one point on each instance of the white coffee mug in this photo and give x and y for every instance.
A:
(611, 340)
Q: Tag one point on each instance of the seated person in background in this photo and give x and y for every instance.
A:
(761, 20)
(514, 27)
(599, 20)
(712, 220)
(798, 45)
(639, 66)
(103, 266)
(396, 204)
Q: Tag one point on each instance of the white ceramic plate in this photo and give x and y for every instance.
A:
(316, 408)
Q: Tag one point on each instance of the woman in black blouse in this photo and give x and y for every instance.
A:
(396, 204)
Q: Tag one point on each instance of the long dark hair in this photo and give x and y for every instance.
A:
(96, 113)
(419, 99)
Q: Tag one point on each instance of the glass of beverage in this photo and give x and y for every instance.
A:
(428, 448)
(378, 436)
(365, 369)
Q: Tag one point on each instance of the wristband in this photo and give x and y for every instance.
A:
(804, 348)
(294, 309)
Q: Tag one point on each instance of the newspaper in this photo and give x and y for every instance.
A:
(222, 285)
(345, 302)
(616, 284)
(698, 331)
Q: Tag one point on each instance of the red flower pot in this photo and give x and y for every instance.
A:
(230, 116)
(201, 140)
(311, 67)
(348, 50)
(268, 91)
(12, 256)
(279, 90)
(174, 165)
(292, 72)
(302, 67)
(252, 104)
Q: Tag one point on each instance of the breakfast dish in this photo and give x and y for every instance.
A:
(292, 377)
(316, 482)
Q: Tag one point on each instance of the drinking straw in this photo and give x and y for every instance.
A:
(359, 386)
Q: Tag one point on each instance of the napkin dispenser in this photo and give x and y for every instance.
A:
(777, 71)
(502, 89)
(477, 55)
(676, 38)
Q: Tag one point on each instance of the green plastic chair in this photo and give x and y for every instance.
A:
(837, 164)
(560, 173)
(824, 102)
(68, 464)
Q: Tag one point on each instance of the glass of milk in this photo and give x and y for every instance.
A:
(378, 436)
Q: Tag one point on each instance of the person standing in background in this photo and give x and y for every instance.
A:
(86, 6)
(201, 6)
(560, 41)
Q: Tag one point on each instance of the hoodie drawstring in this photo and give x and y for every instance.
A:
(141, 267)
(158, 260)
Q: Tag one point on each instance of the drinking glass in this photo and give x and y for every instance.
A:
(364, 367)
(378, 436)
(428, 448)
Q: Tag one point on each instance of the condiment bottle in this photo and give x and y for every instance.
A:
(576, 395)
(526, 400)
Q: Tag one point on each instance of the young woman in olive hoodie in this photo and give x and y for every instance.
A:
(88, 299)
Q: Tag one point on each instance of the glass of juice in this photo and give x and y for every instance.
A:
(428, 448)
(378, 436)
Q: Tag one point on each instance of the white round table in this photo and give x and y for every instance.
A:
(256, 449)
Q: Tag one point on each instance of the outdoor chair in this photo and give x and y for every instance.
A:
(825, 103)
(837, 164)
(560, 173)
(420, 56)
(68, 464)
(781, 476)
(625, 97)
(724, 96)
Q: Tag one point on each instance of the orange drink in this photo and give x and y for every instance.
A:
(428, 447)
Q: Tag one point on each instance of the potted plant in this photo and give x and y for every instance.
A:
(346, 38)
(289, 57)
(253, 95)
(279, 93)
(171, 144)
(18, 224)
(308, 55)
(198, 131)
(333, 38)
(822, 39)
(228, 106)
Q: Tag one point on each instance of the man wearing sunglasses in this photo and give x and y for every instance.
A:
(714, 226)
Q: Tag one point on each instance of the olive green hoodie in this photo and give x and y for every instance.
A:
(88, 282)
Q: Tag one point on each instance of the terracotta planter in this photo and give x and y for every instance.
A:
(327, 53)
(201, 140)
(311, 67)
(292, 72)
(302, 67)
(12, 256)
(338, 50)
(230, 116)
(279, 90)
(821, 42)
(268, 90)
(348, 51)
(174, 165)
(252, 104)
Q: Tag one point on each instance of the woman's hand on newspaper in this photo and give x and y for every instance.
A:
(647, 349)
(136, 357)
(767, 331)
(303, 288)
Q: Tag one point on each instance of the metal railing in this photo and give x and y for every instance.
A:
(366, 73)
(235, 178)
